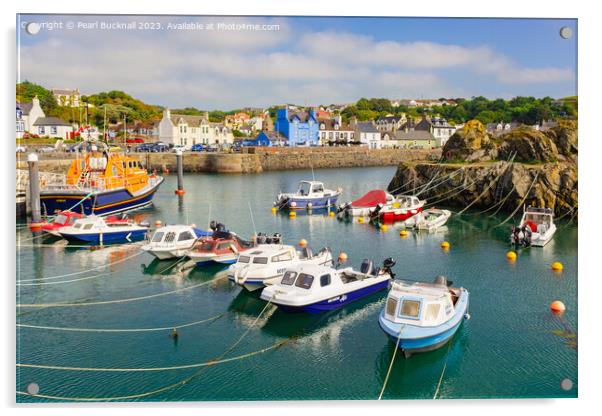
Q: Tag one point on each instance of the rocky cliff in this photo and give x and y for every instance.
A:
(521, 166)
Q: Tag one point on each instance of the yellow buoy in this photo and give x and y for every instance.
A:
(557, 307)
(274, 210)
(511, 255)
(331, 214)
(445, 245)
(557, 266)
(384, 228)
(292, 214)
(396, 204)
(303, 242)
(403, 233)
(360, 220)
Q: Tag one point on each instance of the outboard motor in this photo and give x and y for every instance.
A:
(442, 280)
(377, 210)
(277, 238)
(213, 225)
(388, 265)
(343, 207)
(261, 238)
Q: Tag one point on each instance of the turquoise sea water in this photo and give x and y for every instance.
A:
(511, 347)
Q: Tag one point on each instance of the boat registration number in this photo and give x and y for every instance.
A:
(341, 298)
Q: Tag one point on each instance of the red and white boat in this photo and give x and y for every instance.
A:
(402, 208)
(223, 247)
(62, 219)
(365, 205)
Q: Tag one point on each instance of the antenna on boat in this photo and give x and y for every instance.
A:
(252, 219)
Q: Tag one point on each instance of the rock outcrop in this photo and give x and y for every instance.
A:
(522, 166)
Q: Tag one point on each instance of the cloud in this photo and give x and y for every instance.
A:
(234, 68)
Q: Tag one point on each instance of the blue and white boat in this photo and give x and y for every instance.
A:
(94, 229)
(420, 317)
(309, 195)
(313, 288)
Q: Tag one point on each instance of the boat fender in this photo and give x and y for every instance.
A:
(467, 316)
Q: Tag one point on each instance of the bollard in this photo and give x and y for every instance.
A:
(34, 188)
(180, 169)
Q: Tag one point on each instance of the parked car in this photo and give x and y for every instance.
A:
(45, 149)
(145, 147)
(21, 149)
(211, 149)
(160, 147)
(179, 147)
(197, 147)
(135, 140)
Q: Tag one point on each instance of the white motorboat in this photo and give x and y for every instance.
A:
(429, 220)
(309, 195)
(536, 227)
(420, 317)
(266, 264)
(98, 230)
(173, 241)
(315, 289)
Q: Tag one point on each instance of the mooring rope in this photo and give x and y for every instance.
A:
(102, 266)
(110, 302)
(218, 360)
(444, 179)
(461, 188)
(444, 368)
(65, 281)
(382, 391)
(110, 330)
(520, 203)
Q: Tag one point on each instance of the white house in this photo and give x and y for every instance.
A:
(367, 134)
(65, 97)
(185, 130)
(334, 131)
(30, 118)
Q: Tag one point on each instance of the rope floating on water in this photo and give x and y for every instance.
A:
(382, 391)
(105, 330)
(520, 203)
(83, 271)
(109, 302)
(444, 368)
(218, 360)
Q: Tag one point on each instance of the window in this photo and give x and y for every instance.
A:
(78, 225)
(324, 280)
(432, 311)
(88, 226)
(41, 130)
(60, 219)
(170, 237)
(410, 308)
(53, 130)
(186, 235)
(286, 256)
(304, 281)
(260, 260)
(207, 245)
(158, 237)
(391, 306)
(223, 246)
(289, 278)
(243, 259)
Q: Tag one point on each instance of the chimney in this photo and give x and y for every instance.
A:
(353, 121)
(166, 113)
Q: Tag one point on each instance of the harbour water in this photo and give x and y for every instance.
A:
(511, 347)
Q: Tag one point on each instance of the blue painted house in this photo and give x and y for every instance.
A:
(301, 128)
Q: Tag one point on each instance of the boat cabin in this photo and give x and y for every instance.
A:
(315, 277)
(222, 242)
(538, 219)
(268, 254)
(170, 235)
(103, 171)
(308, 188)
(420, 304)
(66, 218)
(406, 201)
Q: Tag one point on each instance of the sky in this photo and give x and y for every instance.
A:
(233, 62)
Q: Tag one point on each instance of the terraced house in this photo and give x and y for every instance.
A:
(185, 130)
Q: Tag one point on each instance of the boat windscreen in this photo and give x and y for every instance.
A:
(260, 260)
(410, 308)
(61, 219)
(304, 281)
(243, 259)
(206, 245)
(157, 237)
(289, 278)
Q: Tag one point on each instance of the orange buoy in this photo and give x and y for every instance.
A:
(180, 192)
(36, 226)
(193, 225)
(342, 257)
(303, 242)
(158, 223)
(445, 245)
(557, 266)
(557, 307)
(511, 255)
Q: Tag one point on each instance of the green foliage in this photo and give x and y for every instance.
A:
(238, 133)
(26, 91)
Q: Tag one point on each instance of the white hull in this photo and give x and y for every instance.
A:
(540, 240)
